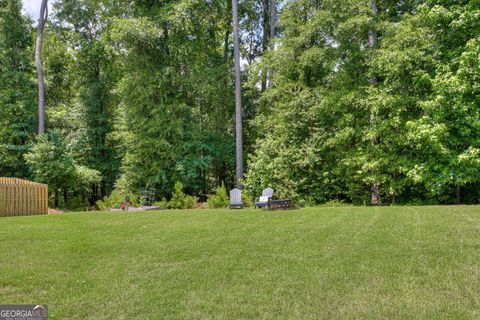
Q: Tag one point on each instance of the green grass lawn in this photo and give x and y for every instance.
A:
(319, 263)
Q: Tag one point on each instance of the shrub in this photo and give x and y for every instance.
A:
(116, 198)
(190, 202)
(180, 200)
(52, 163)
(162, 204)
(248, 198)
(176, 202)
(219, 199)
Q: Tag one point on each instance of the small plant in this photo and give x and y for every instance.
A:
(190, 202)
(180, 200)
(248, 198)
(162, 204)
(176, 202)
(115, 200)
(219, 199)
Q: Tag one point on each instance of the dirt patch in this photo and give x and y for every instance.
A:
(54, 211)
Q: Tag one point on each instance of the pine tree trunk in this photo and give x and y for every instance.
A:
(38, 61)
(273, 34)
(238, 95)
(56, 199)
(65, 197)
(372, 41)
(266, 40)
(226, 46)
(273, 21)
(226, 49)
(458, 194)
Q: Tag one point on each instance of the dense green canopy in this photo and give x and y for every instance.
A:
(353, 100)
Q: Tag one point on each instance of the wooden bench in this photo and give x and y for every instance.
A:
(280, 204)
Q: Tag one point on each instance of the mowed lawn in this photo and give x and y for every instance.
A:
(314, 263)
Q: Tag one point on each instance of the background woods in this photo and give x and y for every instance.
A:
(341, 100)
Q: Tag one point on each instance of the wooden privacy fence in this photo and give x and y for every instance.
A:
(22, 197)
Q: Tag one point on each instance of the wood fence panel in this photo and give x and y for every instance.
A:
(33, 202)
(45, 198)
(22, 197)
(3, 201)
(28, 208)
(11, 200)
(21, 204)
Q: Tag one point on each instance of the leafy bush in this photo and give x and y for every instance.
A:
(190, 202)
(84, 179)
(52, 163)
(176, 202)
(162, 204)
(219, 199)
(180, 200)
(248, 198)
(116, 198)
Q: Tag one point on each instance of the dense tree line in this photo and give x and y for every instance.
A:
(363, 101)
(372, 100)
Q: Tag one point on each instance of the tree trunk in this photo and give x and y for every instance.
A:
(238, 95)
(458, 194)
(93, 195)
(166, 35)
(65, 197)
(38, 61)
(266, 40)
(375, 196)
(372, 34)
(273, 34)
(226, 47)
(372, 41)
(56, 199)
(273, 22)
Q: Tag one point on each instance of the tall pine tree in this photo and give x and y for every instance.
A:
(17, 90)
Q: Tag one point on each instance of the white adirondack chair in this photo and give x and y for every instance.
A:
(235, 199)
(262, 201)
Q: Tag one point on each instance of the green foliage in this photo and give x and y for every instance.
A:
(180, 200)
(175, 96)
(85, 178)
(17, 90)
(116, 198)
(336, 203)
(51, 163)
(96, 74)
(344, 115)
(78, 203)
(190, 202)
(178, 197)
(162, 204)
(219, 199)
(248, 198)
(140, 95)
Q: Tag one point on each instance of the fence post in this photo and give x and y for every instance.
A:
(3, 202)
